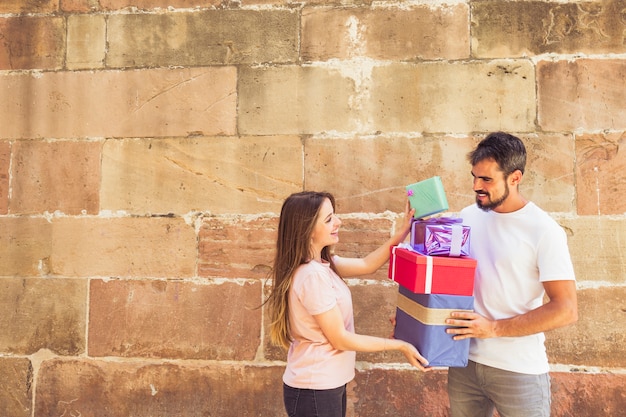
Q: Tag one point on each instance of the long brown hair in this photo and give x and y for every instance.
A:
(293, 248)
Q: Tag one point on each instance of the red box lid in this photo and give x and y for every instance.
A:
(423, 274)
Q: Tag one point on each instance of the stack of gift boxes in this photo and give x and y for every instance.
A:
(435, 277)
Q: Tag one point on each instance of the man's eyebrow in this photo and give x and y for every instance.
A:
(482, 177)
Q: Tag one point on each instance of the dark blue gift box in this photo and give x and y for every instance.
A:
(420, 320)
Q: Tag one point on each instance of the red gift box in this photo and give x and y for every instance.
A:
(424, 274)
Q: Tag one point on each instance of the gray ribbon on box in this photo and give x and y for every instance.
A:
(425, 315)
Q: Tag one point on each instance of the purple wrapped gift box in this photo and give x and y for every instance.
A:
(442, 236)
(420, 320)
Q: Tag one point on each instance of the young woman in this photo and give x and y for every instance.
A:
(310, 306)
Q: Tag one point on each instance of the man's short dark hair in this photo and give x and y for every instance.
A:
(507, 150)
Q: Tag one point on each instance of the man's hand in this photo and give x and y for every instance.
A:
(470, 324)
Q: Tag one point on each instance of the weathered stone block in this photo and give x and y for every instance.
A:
(25, 7)
(522, 28)
(207, 37)
(31, 42)
(16, 381)
(39, 313)
(219, 175)
(81, 6)
(123, 247)
(395, 97)
(88, 388)
(583, 94)
(25, 246)
(599, 336)
(86, 41)
(549, 176)
(398, 393)
(87, 247)
(597, 246)
(588, 394)
(425, 97)
(151, 102)
(385, 33)
(601, 173)
(55, 176)
(294, 100)
(5, 163)
(176, 320)
(236, 248)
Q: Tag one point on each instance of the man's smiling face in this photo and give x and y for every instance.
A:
(490, 186)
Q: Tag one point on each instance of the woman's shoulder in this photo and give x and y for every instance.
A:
(312, 267)
(312, 275)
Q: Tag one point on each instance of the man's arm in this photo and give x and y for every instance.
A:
(561, 310)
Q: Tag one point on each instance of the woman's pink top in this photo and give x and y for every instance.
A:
(312, 362)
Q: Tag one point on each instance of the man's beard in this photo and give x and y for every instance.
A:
(492, 204)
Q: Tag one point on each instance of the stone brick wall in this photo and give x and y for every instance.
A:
(146, 147)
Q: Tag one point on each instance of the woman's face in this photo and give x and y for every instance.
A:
(326, 229)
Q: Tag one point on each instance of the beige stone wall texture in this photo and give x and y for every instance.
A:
(146, 147)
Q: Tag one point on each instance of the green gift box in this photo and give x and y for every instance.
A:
(427, 197)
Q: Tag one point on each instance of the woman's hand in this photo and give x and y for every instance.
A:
(405, 227)
(413, 356)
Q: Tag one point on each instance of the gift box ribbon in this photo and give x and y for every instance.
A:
(428, 279)
(456, 239)
(426, 315)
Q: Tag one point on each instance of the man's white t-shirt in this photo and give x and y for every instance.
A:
(515, 253)
(312, 362)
